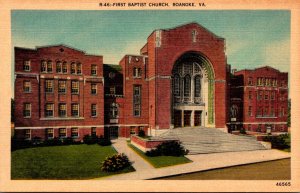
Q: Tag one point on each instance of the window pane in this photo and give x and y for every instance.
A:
(75, 87)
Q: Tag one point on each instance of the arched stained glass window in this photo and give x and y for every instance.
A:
(176, 85)
(197, 83)
(187, 86)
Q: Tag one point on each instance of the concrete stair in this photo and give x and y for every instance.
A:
(210, 140)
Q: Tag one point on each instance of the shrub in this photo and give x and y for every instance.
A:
(104, 141)
(280, 141)
(20, 144)
(115, 163)
(67, 141)
(169, 148)
(53, 142)
(88, 139)
(141, 133)
(36, 141)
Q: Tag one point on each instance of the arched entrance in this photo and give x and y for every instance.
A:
(192, 91)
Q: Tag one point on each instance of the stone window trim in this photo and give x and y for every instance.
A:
(49, 66)
(114, 110)
(64, 68)
(62, 132)
(94, 89)
(93, 131)
(94, 110)
(94, 70)
(74, 132)
(27, 86)
(50, 133)
(27, 66)
(75, 110)
(62, 110)
(62, 87)
(27, 110)
(27, 134)
(137, 100)
(137, 72)
(49, 86)
(59, 67)
(49, 110)
(74, 87)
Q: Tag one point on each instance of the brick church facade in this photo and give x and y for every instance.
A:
(180, 79)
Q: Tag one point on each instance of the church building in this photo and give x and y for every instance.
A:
(179, 79)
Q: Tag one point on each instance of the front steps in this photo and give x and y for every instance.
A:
(211, 140)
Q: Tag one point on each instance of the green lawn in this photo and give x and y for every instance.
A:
(61, 162)
(161, 161)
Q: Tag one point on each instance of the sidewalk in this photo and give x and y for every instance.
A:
(200, 162)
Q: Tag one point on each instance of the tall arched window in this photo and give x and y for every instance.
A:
(187, 86)
(197, 85)
(176, 85)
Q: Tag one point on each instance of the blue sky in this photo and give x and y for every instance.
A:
(253, 38)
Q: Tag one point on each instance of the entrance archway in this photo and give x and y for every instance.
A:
(192, 91)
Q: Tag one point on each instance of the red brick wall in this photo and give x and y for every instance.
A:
(38, 98)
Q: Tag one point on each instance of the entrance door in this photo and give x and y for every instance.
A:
(177, 118)
(111, 132)
(187, 118)
(197, 118)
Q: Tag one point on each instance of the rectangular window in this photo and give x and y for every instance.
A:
(94, 69)
(49, 66)
(93, 131)
(273, 95)
(266, 95)
(64, 68)
(137, 100)
(49, 110)
(62, 110)
(78, 68)
(74, 87)
(27, 110)
(250, 81)
(250, 95)
(93, 88)
(27, 86)
(73, 68)
(44, 66)
(93, 110)
(74, 132)
(132, 130)
(62, 86)
(260, 95)
(75, 110)
(62, 132)
(250, 111)
(49, 133)
(26, 65)
(49, 86)
(27, 134)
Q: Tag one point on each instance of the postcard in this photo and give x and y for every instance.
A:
(149, 96)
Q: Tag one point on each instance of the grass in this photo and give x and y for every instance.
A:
(161, 161)
(61, 162)
(270, 170)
